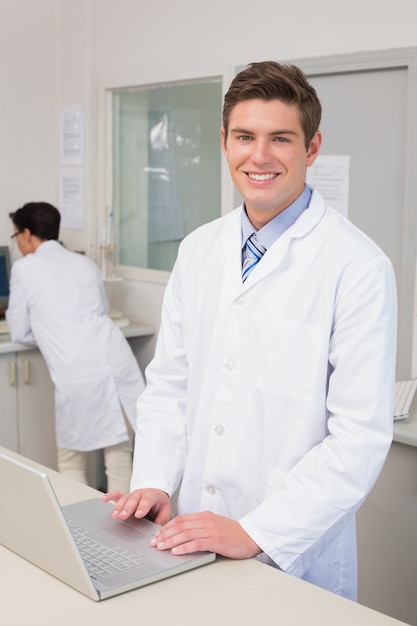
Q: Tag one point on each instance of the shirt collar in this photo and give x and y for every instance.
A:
(269, 233)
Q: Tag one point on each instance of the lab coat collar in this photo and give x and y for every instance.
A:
(47, 245)
(276, 253)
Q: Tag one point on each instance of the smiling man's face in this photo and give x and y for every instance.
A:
(267, 157)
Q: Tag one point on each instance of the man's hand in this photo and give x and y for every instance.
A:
(151, 502)
(205, 531)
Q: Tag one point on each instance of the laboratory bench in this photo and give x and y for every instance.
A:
(244, 592)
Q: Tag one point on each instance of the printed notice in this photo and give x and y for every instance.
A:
(330, 175)
(72, 135)
(71, 192)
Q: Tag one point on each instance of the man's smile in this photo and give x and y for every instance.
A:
(261, 176)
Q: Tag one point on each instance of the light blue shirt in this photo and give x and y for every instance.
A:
(269, 233)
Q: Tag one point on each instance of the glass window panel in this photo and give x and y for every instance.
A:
(166, 168)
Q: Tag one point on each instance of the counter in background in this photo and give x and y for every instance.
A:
(134, 329)
(406, 432)
(138, 329)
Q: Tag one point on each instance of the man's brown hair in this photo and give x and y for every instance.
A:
(269, 80)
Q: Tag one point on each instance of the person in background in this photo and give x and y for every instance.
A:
(269, 401)
(57, 301)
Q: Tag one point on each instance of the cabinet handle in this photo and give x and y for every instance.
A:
(12, 373)
(26, 371)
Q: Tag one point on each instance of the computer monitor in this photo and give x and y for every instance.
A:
(4, 278)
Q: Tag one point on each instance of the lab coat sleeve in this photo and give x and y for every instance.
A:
(160, 443)
(18, 312)
(302, 516)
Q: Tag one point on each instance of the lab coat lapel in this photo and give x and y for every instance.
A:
(232, 250)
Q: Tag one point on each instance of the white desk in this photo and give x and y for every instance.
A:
(225, 592)
(406, 432)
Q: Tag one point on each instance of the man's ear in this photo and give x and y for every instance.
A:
(26, 234)
(314, 148)
(223, 141)
(30, 241)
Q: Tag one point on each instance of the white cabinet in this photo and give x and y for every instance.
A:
(8, 402)
(27, 416)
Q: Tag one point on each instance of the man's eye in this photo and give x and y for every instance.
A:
(244, 138)
(281, 139)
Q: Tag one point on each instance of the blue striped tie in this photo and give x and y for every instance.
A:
(252, 254)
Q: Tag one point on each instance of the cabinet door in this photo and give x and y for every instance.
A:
(8, 402)
(36, 435)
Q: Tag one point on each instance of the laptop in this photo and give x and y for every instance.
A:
(62, 540)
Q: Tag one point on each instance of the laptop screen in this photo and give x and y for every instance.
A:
(4, 278)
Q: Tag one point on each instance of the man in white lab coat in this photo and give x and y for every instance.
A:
(57, 301)
(270, 397)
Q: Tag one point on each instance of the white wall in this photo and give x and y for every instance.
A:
(28, 105)
(165, 39)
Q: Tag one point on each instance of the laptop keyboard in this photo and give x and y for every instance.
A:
(101, 559)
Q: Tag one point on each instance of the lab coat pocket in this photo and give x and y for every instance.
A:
(289, 359)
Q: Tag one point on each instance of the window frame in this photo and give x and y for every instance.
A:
(105, 156)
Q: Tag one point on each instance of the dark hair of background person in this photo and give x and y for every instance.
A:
(269, 80)
(41, 218)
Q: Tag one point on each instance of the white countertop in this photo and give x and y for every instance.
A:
(406, 432)
(231, 592)
(134, 329)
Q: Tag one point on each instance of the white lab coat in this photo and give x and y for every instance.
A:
(273, 400)
(57, 301)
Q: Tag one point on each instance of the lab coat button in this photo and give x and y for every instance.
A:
(230, 365)
(219, 430)
(240, 300)
(211, 489)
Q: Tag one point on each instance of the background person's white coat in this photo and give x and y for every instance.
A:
(57, 300)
